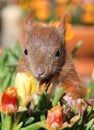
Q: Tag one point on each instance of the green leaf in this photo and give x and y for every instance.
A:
(92, 127)
(18, 126)
(17, 49)
(57, 97)
(89, 124)
(8, 64)
(35, 126)
(6, 124)
(78, 45)
(29, 121)
(91, 87)
(6, 82)
(40, 103)
(0, 125)
(44, 100)
(4, 58)
(42, 117)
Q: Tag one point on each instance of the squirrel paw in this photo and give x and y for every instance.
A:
(79, 105)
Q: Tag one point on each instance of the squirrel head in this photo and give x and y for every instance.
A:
(45, 47)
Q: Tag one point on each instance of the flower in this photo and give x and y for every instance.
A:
(69, 32)
(25, 85)
(9, 100)
(24, 4)
(61, 1)
(60, 10)
(41, 9)
(55, 118)
(88, 17)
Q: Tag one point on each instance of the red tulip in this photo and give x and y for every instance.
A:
(9, 100)
(55, 118)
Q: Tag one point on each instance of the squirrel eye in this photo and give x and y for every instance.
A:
(25, 52)
(57, 53)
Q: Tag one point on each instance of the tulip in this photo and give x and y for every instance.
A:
(25, 85)
(9, 100)
(54, 118)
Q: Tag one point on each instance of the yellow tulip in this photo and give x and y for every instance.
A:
(25, 85)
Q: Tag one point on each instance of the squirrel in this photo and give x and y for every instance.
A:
(47, 58)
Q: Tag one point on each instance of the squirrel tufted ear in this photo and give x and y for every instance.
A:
(62, 25)
(30, 15)
(29, 20)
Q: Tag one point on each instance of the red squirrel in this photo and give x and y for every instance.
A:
(47, 58)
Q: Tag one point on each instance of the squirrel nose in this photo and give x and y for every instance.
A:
(39, 71)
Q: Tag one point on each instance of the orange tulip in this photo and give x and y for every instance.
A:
(9, 100)
(54, 118)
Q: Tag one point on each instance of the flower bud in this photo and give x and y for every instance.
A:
(54, 118)
(25, 85)
(9, 100)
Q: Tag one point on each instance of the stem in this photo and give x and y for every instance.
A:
(16, 123)
(78, 45)
(6, 124)
(57, 97)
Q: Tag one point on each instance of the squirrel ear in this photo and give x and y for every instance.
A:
(62, 25)
(29, 20)
(30, 15)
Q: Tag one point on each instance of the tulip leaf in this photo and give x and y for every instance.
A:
(57, 97)
(44, 103)
(29, 121)
(19, 126)
(8, 63)
(0, 125)
(35, 126)
(6, 124)
(6, 82)
(89, 124)
(42, 117)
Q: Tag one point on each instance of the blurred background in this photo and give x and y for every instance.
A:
(14, 12)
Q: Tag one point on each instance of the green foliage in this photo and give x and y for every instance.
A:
(8, 63)
(77, 46)
(91, 88)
